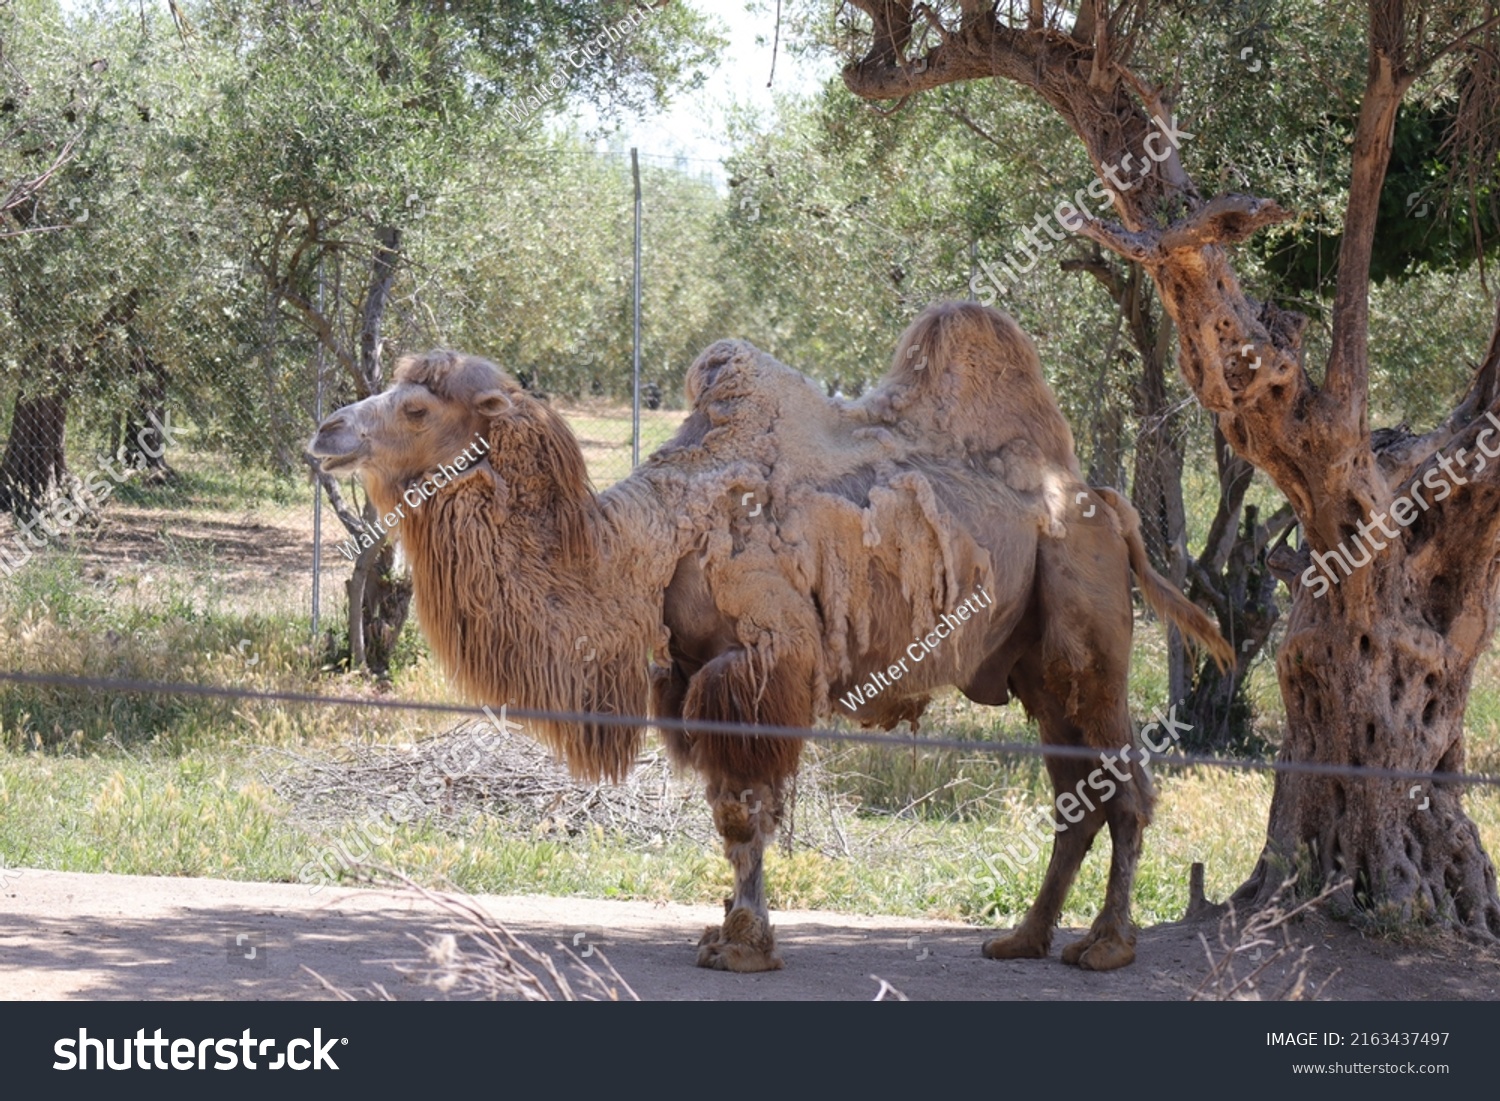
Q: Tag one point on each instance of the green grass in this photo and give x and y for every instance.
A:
(216, 483)
(204, 812)
(197, 806)
(58, 621)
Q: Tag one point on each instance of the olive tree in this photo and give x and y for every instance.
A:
(1394, 590)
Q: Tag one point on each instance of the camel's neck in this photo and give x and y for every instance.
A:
(536, 593)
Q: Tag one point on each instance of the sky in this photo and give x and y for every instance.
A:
(696, 126)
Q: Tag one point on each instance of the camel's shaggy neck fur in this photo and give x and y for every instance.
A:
(532, 594)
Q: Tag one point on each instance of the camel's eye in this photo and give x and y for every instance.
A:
(414, 412)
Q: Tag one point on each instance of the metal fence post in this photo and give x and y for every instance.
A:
(635, 369)
(317, 559)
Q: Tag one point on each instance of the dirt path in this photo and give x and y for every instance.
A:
(67, 935)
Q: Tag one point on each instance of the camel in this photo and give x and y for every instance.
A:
(785, 557)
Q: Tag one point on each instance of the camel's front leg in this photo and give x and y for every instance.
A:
(746, 819)
(746, 776)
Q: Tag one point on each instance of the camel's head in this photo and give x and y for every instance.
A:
(430, 413)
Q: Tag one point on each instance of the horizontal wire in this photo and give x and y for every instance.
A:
(708, 726)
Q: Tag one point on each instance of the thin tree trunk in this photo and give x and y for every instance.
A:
(377, 297)
(1107, 457)
(379, 594)
(1156, 489)
(150, 401)
(35, 467)
(379, 602)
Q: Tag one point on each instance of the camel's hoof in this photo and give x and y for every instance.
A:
(745, 942)
(1019, 945)
(1103, 951)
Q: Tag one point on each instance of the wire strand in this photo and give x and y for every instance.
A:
(705, 726)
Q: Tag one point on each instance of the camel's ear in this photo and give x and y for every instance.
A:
(492, 403)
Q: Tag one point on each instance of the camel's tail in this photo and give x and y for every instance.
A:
(1168, 603)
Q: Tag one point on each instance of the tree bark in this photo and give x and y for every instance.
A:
(1156, 489)
(379, 601)
(1388, 690)
(35, 467)
(1375, 671)
(150, 401)
(1107, 455)
(377, 296)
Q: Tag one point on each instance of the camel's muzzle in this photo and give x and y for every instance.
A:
(337, 446)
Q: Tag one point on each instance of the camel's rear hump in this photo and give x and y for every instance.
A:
(970, 374)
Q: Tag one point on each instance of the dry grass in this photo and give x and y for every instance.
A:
(1259, 950)
(603, 431)
(481, 960)
(476, 771)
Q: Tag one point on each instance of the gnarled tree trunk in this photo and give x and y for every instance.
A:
(1385, 684)
(35, 467)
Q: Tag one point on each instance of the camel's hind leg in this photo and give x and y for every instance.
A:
(746, 778)
(1112, 788)
(1074, 682)
(1032, 939)
(1110, 941)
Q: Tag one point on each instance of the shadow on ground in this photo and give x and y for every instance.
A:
(75, 936)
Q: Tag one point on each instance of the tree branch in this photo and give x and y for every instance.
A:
(1223, 220)
(1138, 246)
(1101, 269)
(1484, 388)
(26, 189)
(976, 49)
(352, 523)
(321, 327)
(1346, 387)
(1458, 43)
(954, 112)
(1234, 482)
